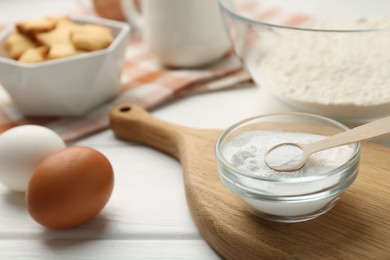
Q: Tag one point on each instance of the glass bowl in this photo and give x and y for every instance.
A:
(325, 57)
(285, 196)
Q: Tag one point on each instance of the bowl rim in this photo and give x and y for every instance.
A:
(123, 28)
(221, 160)
(225, 7)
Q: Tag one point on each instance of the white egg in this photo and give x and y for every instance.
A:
(22, 148)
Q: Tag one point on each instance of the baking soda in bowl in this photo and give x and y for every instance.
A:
(285, 196)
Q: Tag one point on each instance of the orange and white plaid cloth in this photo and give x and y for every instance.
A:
(144, 82)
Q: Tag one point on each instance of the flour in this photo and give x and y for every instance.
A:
(331, 68)
(246, 153)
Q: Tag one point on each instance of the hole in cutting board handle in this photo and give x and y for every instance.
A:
(125, 109)
(135, 124)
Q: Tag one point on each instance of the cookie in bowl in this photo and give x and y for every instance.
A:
(62, 70)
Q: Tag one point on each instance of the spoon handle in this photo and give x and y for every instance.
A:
(375, 129)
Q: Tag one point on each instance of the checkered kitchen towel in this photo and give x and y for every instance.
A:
(144, 82)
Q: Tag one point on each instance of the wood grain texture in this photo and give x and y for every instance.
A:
(356, 228)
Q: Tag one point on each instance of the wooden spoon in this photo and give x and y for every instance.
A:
(375, 129)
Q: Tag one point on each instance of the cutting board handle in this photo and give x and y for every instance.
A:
(134, 124)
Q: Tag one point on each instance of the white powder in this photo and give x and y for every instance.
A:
(246, 152)
(328, 67)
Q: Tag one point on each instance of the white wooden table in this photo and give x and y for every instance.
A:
(147, 216)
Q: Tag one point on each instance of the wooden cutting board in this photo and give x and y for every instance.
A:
(358, 227)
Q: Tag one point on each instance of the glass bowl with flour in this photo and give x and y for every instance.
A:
(325, 57)
(285, 196)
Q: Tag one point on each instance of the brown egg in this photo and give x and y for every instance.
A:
(69, 187)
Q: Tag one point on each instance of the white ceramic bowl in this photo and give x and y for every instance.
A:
(68, 86)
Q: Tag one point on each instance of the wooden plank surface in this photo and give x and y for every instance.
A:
(156, 225)
(107, 249)
(139, 222)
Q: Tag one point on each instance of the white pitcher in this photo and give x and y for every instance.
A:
(182, 33)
